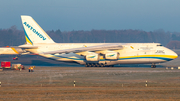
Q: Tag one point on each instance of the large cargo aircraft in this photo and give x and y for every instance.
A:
(90, 54)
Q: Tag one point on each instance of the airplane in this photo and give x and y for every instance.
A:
(89, 54)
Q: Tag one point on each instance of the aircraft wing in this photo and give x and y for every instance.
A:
(90, 48)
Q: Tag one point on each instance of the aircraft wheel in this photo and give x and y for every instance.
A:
(101, 65)
(89, 65)
(153, 65)
(97, 65)
(93, 65)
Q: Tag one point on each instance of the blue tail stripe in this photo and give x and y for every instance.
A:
(27, 37)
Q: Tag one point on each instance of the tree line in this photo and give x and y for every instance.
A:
(13, 37)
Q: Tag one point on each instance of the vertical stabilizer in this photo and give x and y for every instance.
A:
(33, 32)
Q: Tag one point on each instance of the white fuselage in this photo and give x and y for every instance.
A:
(132, 53)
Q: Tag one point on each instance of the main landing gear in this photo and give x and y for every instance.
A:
(97, 65)
(153, 65)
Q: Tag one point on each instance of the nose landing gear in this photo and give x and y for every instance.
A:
(153, 65)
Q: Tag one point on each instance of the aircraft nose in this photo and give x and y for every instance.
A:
(175, 55)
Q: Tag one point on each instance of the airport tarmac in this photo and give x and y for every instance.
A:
(52, 80)
(102, 84)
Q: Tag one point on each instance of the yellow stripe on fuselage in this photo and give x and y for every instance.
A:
(164, 56)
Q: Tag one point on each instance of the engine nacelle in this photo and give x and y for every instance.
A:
(111, 56)
(92, 57)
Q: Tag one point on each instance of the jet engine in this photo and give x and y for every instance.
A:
(92, 57)
(111, 56)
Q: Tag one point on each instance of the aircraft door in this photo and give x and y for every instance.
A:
(145, 53)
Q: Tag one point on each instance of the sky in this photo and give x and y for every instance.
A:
(68, 15)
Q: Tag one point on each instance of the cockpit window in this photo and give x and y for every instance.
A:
(159, 45)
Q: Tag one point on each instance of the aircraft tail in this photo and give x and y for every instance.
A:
(33, 32)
